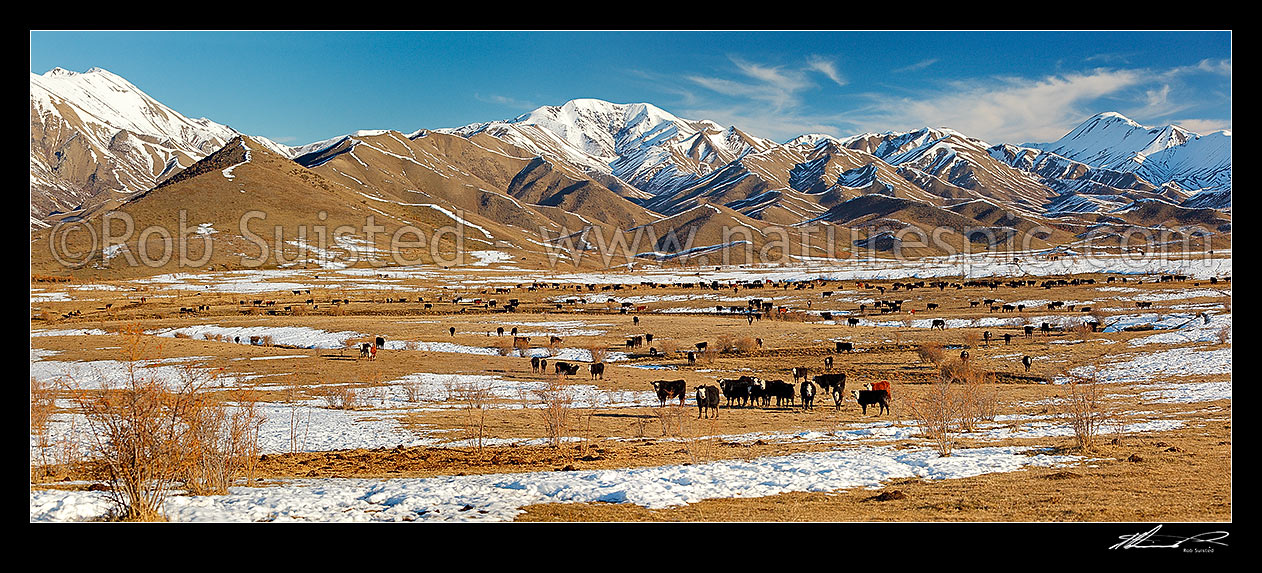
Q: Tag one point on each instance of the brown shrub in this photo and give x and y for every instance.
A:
(930, 353)
(746, 344)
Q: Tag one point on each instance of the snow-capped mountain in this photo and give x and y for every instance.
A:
(1160, 155)
(638, 143)
(97, 142)
(96, 139)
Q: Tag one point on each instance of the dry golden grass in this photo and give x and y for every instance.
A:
(994, 383)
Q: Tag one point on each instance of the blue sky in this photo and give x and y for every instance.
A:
(1013, 87)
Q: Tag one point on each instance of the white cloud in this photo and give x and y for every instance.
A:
(1203, 126)
(916, 66)
(826, 67)
(1003, 109)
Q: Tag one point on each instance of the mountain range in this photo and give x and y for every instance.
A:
(588, 170)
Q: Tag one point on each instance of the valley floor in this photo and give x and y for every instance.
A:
(450, 425)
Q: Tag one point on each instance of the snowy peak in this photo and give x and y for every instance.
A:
(96, 138)
(638, 143)
(1167, 154)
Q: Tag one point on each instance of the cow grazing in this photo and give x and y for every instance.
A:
(543, 365)
(828, 363)
(1007, 339)
(852, 322)
(692, 358)
(701, 346)
(1029, 330)
(938, 323)
(827, 382)
(1026, 361)
(598, 370)
(534, 363)
(560, 367)
(670, 389)
(381, 342)
(867, 398)
(808, 395)
(707, 399)
(845, 347)
(363, 350)
(499, 331)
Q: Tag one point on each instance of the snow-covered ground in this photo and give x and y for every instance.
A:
(500, 497)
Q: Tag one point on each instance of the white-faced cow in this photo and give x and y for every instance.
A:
(707, 399)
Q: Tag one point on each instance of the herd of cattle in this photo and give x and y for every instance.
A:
(748, 391)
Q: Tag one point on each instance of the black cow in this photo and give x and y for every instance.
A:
(808, 395)
(866, 398)
(1029, 330)
(534, 364)
(845, 347)
(938, 323)
(598, 370)
(1026, 361)
(827, 382)
(828, 363)
(560, 367)
(783, 391)
(736, 390)
(852, 322)
(707, 398)
(669, 389)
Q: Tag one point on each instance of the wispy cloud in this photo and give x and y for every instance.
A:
(1204, 126)
(766, 100)
(1005, 109)
(916, 66)
(827, 67)
(505, 101)
(1017, 110)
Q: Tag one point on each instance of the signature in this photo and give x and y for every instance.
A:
(1150, 539)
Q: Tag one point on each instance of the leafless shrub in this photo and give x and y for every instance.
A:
(267, 340)
(505, 347)
(338, 397)
(298, 425)
(410, 345)
(150, 433)
(972, 338)
(222, 440)
(725, 343)
(599, 353)
(1223, 334)
(672, 419)
(1083, 408)
(937, 413)
(746, 344)
(412, 390)
(474, 396)
(43, 404)
(978, 398)
(667, 347)
(930, 353)
(554, 399)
